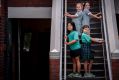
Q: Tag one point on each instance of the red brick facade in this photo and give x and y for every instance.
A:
(3, 12)
(115, 69)
(54, 69)
(29, 3)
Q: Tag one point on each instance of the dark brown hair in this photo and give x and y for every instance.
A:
(84, 4)
(73, 25)
(85, 26)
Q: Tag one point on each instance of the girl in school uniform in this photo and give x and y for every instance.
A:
(75, 49)
(87, 55)
(87, 14)
(77, 17)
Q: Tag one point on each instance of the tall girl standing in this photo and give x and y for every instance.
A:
(75, 49)
(87, 14)
(77, 17)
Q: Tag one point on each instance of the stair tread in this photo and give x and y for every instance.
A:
(95, 7)
(96, 50)
(86, 78)
(91, 70)
(83, 63)
(95, 28)
(94, 44)
(92, 50)
(97, 57)
(95, 33)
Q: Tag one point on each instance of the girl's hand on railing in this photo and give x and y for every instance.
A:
(65, 37)
(66, 14)
(101, 41)
(66, 43)
(100, 17)
(99, 13)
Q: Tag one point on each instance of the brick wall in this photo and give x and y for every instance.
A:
(115, 69)
(29, 3)
(54, 69)
(3, 12)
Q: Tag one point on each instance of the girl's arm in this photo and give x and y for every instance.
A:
(75, 39)
(68, 43)
(95, 16)
(70, 15)
(94, 40)
(97, 40)
(98, 14)
(71, 42)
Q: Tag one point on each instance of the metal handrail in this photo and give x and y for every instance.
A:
(19, 61)
(106, 39)
(61, 28)
(65, 47)
(103, 44)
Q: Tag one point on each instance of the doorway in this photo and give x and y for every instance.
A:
(31, 45)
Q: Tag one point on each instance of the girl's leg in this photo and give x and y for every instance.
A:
(74, 68)
(90, 65)
(78, 64)
(86, 66)
(74, 65)
(86, 69)
(89, 68)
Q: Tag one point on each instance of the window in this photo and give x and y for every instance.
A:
(27, 41)
(116, 2)
(117, 17)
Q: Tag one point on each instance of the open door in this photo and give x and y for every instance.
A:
(30, 49)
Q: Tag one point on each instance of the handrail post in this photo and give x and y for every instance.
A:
(106, 39)
(65, 47)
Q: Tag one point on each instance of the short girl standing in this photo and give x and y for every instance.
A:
(87, 55)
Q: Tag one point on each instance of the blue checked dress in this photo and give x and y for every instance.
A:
(86, 17)
(86, 47)
(78, 21)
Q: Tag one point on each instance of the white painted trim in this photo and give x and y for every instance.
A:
(29, 12)
(112, 25)
(116, 51)
(56, 26)
(115, 56)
